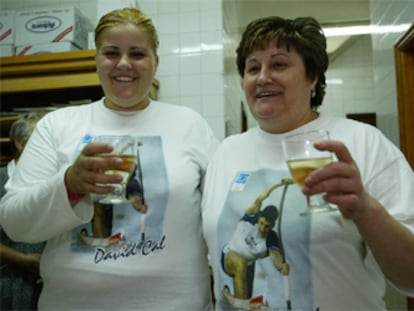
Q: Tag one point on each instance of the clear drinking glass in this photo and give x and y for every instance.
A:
(126, 148)
(302, 159)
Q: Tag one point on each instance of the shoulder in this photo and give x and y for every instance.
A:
(237, 141)
(69, 112)
(343, 129)
(366, 143)
(345, 122)
(174, 111)
(272, 239)
(181, 120)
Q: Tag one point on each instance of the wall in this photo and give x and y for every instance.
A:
(388, 12)
(233, 93)
(350, 85)
(191, 49)
(191, 55)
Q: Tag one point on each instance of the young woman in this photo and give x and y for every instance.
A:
(50, 197)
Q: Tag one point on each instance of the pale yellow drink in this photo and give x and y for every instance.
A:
(300, 169)
(126, 167)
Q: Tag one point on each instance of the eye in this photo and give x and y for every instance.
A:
(252, 69)
(279, 65)
(110, 54)
(137, 54)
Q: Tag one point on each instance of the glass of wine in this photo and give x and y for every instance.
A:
(302, 159)
(125, 148)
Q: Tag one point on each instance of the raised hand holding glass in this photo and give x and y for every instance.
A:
(125, 148)
(302, 159)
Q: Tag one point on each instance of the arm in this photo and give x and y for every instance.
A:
(255, 207)
(391, 243)
(277, 260)
(36, 206)
(28, 262)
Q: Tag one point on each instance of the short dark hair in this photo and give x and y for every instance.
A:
(304, 34)
(270, 213)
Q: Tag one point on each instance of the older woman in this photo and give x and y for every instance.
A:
(337, 260)
(49, 197)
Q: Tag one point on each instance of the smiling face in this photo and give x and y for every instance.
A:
(126, 65)
(277, 88)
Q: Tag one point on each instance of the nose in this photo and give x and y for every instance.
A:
(264, 77)
(124, 62)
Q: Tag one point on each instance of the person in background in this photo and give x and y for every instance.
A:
(338, 260)
(60, 173)
(20, 284)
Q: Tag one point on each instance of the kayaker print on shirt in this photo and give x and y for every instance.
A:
(134, 228)
(264, 245)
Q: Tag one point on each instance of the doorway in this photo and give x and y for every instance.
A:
(404, 67)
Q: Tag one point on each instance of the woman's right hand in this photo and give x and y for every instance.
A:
(86, 174)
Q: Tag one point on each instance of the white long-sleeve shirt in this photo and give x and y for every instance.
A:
(331, 268)
(169, 271)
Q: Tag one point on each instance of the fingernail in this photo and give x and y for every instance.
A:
(118, 160)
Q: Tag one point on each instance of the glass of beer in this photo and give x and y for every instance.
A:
(125, 148)
(302, 159)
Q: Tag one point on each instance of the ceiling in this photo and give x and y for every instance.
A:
(238, 13)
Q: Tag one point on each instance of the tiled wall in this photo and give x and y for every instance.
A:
(350, 80)
(191, 55)
(191, 49)
(390, 12)
(233, 94)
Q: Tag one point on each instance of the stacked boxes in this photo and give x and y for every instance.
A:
(6, 33)
(47, 30)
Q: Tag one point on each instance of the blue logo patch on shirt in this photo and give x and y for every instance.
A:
(87, 139)
(240, 181)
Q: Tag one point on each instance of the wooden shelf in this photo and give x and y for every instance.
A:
(48, 71)
(36, 80)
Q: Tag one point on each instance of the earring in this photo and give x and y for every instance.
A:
(313, 94)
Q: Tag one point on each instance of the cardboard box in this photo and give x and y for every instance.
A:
(7, 27)
(7, 50)
(46, 48)
(65, 24)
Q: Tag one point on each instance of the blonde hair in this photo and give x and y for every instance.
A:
(124, 17)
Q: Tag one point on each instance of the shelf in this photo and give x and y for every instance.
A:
(34, 81)
(61, 70)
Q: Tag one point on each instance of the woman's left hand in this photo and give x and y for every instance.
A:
(341, 181)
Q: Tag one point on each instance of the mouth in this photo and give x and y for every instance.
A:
(268, 94)
(124, 78)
